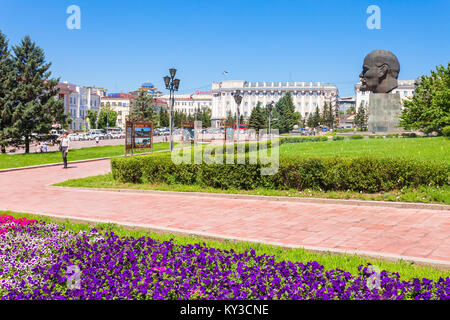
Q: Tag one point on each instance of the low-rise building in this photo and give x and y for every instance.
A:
(189, 103)
(122, 104)
(77, 101)
(149, 88)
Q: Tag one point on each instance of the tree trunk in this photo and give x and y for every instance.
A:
(27, 144)
(3, 148)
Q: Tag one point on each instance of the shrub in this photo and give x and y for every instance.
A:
(335, 138)
(446, 131)
(369, 173)
(409, 135)
(303, 139)
(356, 136)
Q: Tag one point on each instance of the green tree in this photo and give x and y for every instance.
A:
(230, 120)
(143, 108)
(92, 118)
(35, 107)
(316, 118)
(361, 117)
(6, 83)
(106, 118)
(429, 109)
(163, 117)
(257, 118)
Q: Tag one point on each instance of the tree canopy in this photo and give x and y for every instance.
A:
(429, 109)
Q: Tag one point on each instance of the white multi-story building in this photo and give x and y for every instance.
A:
(406, 89)
(189, 103)
(77, 101)
(306, 96)
(122, 104)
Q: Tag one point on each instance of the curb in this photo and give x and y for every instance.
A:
(440, 264)
(71, 162)
(369, 203)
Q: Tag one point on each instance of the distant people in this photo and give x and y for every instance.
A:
(96, 140)
(64, 146)
(44, 146)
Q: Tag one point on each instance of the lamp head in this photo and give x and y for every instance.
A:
(172, 72)
(167, 81)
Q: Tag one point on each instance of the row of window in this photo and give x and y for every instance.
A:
(276, 94)
(73, 100)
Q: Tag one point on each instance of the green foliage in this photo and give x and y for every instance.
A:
(429, 108)
(366, 173)
(106, 116)
(164, 118)
(409, 135)
(303, 139)
(6, 80)
(92, 117)
(284, 114)
(446, 131)
(335, 138)
(356, 136)
(143, 108)
(34, 107)
(257, 119)
(361, 117)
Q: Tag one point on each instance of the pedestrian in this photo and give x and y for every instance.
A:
(64, 147)
(44, 146)
(96, 139)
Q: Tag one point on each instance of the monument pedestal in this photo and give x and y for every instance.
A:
(384, 111)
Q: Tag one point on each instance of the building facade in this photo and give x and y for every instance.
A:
(406, 89)
(149, 88)
(122, 104)
(189, 103)
(77, 101)
(305, 95)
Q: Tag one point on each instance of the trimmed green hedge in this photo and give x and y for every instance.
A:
(303, 139)
(368, 174)
(356, 136)
(335, 138)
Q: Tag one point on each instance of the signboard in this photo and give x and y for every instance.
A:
(229, 133)
(188, 132)
(129, 137)
(138, 135)
(143, 135)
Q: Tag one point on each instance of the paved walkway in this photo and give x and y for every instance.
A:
(416, 233)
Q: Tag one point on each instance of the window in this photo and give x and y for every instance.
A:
(405, 93)
(307, 94)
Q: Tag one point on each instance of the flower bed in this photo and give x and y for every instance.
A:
(35, 259)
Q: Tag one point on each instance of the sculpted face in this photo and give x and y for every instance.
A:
(380, 72)
(369, 76)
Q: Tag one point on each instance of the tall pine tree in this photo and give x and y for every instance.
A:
(256, 120)
(143, 108)
(6, 83)
(35, 107)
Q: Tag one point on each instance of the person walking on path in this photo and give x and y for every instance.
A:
(64, 147)
(96, 139)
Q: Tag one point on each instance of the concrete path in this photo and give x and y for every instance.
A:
(421, 235)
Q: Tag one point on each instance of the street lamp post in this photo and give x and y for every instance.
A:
(270, 107)
(238, 99)
(172, 85)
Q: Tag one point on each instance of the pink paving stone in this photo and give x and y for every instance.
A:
(416, 232)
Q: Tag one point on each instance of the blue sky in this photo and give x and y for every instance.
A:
(124, 43)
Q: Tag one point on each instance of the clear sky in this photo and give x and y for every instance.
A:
(124, 43)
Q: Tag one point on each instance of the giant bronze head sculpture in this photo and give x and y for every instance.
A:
(380, 72)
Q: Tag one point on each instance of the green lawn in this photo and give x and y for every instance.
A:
(31, 159)
(432, 148)
(348, 263)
